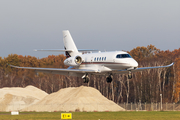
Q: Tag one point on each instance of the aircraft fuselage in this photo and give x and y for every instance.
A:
(104, 61)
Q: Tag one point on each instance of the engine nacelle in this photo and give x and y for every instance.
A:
(73, 61)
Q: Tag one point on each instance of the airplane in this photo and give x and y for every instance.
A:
(93, 63)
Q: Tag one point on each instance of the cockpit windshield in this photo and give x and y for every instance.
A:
(123, 56)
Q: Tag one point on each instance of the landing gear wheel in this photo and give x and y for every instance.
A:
(109, 79)
(130, 75)
(86, 79)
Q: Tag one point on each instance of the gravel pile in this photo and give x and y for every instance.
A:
(75, 99)
(17, 98)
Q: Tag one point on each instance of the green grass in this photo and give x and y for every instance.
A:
(127, 115)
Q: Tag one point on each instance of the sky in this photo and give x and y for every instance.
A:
(105, 25)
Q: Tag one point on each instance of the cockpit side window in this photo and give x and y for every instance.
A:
(123, 56)
(118, 56)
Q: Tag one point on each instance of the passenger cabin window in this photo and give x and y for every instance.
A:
(123, 56)
(99, 58)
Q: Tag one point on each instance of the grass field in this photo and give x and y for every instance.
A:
(131, 115)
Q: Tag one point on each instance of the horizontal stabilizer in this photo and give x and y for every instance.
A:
(62, 50)
(53, 50)
(86, 50)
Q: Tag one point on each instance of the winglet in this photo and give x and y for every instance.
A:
(171, 64)
(12, 65)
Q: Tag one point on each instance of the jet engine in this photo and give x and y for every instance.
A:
(73, 61)
(78, 60)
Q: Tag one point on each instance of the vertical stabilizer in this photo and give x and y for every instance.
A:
(69, 44)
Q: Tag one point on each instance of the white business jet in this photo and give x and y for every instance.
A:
(99, 63)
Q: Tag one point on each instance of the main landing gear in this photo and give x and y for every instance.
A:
(85, 78)
(109, 78)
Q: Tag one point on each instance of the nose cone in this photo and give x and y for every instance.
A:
(133, 63)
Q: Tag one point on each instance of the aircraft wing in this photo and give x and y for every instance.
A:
(72, 72)
(142, 68)
(80, 72)
(145, 68)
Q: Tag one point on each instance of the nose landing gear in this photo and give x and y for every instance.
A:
(130, 75)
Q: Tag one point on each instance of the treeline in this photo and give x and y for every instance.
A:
(145, 86)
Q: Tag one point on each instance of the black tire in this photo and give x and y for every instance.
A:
(86, 80)
(109, 79)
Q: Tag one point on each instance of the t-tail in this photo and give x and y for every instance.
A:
(70, 48)
(69, 45)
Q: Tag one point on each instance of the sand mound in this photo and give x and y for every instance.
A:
(16, 98)
(75, 99)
